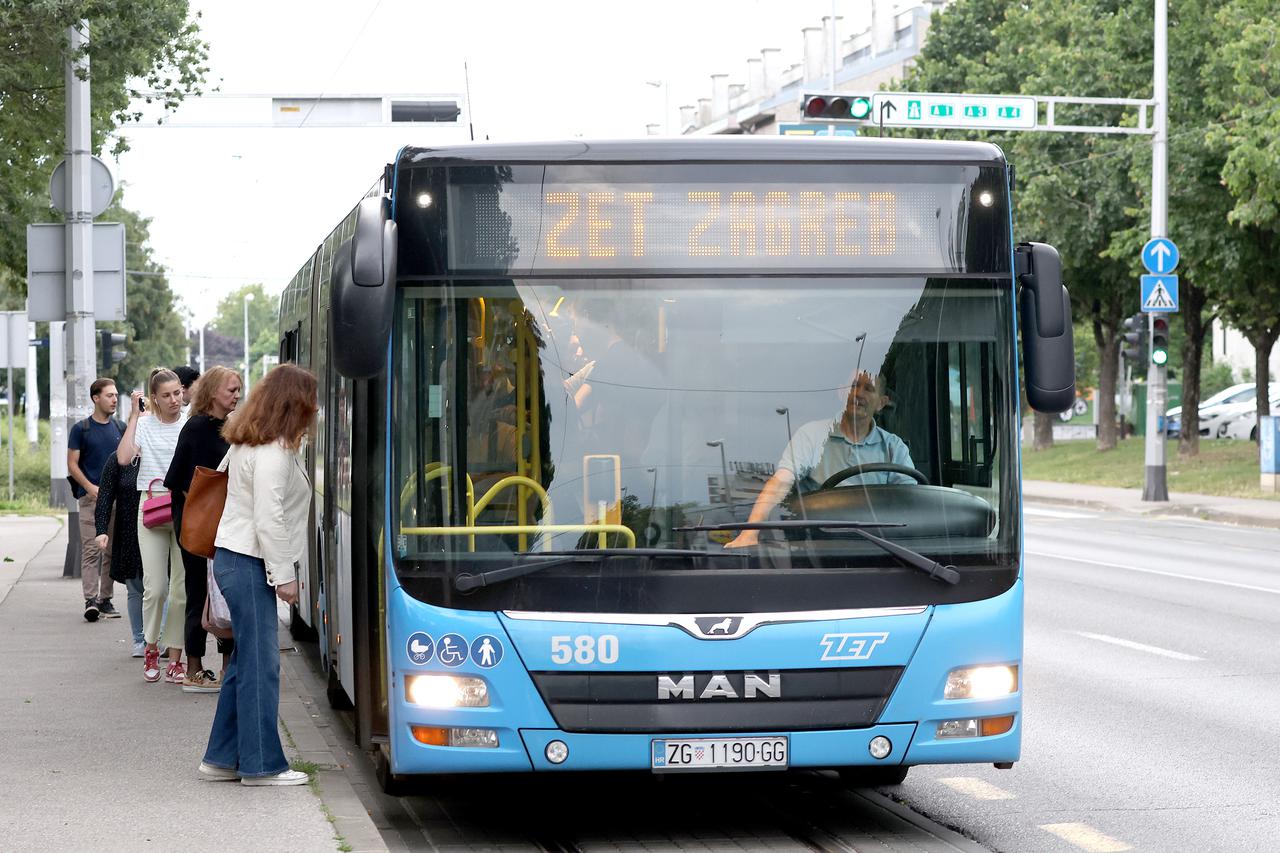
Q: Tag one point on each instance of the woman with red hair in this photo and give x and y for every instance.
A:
(261, 540)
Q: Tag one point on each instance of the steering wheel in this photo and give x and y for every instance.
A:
(871, 467)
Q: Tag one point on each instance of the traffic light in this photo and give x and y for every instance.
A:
(1160, 340)
(836, 108)
(111, 353)
(1134, 348)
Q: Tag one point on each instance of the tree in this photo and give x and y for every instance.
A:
(1073, 190)
(264, 313)
(1241, 78)
(135, 47)
(1198, 203)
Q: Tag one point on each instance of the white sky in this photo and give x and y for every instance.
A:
(232, 206)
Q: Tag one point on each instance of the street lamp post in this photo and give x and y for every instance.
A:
(248, 297)
(786, 412)
(653, 496)
(724, 472)
(665, 86)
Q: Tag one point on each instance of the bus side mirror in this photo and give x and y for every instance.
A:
(362, 292)
(1048, 350)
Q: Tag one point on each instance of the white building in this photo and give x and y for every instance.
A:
(1234, 348)
(769, 99)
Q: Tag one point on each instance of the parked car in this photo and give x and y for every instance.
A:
(1242, 392)
(1246, 424)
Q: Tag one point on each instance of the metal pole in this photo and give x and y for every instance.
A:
(12, 402)
(202, 349)
(1155, 485)
(831, 76)
(80, 343)
(247, 299)
(33, 391)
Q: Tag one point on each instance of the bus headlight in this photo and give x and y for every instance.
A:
(447, 691)
(981, 682)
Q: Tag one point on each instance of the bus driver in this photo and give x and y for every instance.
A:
(822, 448)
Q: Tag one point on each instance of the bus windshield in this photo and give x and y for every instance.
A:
(548, 415)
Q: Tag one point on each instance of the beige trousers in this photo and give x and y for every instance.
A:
(95, 563)
(163, 582)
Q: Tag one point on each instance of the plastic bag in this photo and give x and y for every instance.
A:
(217, 615)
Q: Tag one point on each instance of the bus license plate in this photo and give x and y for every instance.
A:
(727, 753)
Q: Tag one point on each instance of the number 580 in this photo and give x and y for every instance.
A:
(584, 648)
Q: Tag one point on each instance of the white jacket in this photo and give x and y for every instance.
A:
(265, 516)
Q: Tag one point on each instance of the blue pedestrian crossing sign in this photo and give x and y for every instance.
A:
(1159, 293)
(1160, 256)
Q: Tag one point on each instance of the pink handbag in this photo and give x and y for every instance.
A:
(157, 511)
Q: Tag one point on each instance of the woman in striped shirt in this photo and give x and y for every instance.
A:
(153, 436)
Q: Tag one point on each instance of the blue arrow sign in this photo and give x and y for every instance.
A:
(1160, 255)
(1160, 293)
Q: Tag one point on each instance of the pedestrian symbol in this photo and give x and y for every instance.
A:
(1159, 293)
(486, 651)
(452, 650)
(913, 109)
(419, 648)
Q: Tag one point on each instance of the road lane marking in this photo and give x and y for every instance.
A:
(1053, 513)
(1215, 581)
(976, 788)
(1086, 837)
(1141, 647)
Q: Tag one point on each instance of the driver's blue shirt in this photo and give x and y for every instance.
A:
(820, 449)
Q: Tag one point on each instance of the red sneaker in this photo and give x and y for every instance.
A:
(176, 673)
(151, 665)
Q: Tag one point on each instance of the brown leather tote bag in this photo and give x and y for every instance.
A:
(203, 509)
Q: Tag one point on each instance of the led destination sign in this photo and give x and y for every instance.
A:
(704, 226)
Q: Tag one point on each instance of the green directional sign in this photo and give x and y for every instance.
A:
(930, 109)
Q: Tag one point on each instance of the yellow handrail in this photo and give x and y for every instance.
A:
(508, 482)
(603, 529)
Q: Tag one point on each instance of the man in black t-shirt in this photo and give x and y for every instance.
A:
(89, 444)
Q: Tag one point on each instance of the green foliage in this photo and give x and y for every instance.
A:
(263, 312)
(1215, 377)
(135, 47)
(30, 466)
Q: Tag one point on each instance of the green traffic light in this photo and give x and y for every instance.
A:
(1159, 356)
(860, 107)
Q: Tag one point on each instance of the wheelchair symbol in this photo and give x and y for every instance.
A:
(452, 650)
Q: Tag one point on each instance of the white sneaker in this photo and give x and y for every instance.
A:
(139, 649)
(210, 773)
(288, 777)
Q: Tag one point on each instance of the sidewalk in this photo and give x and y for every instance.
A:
(93, 757)
(1246, 511)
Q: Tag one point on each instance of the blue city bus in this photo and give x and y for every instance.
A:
(676, 455)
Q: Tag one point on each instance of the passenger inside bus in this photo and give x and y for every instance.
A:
(822, 448)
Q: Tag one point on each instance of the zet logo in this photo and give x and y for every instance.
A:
(850, 646)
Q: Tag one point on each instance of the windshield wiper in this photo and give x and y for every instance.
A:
(934, 569)
(466, 581)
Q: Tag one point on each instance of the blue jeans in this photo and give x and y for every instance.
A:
(134, 586)
(245, 736)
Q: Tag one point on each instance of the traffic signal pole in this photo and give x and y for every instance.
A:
(1155, 483)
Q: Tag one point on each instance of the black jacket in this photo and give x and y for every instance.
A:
(119, 488)
(199, 443)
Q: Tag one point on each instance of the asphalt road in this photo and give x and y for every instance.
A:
(1152, 709)
(1152, 722)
